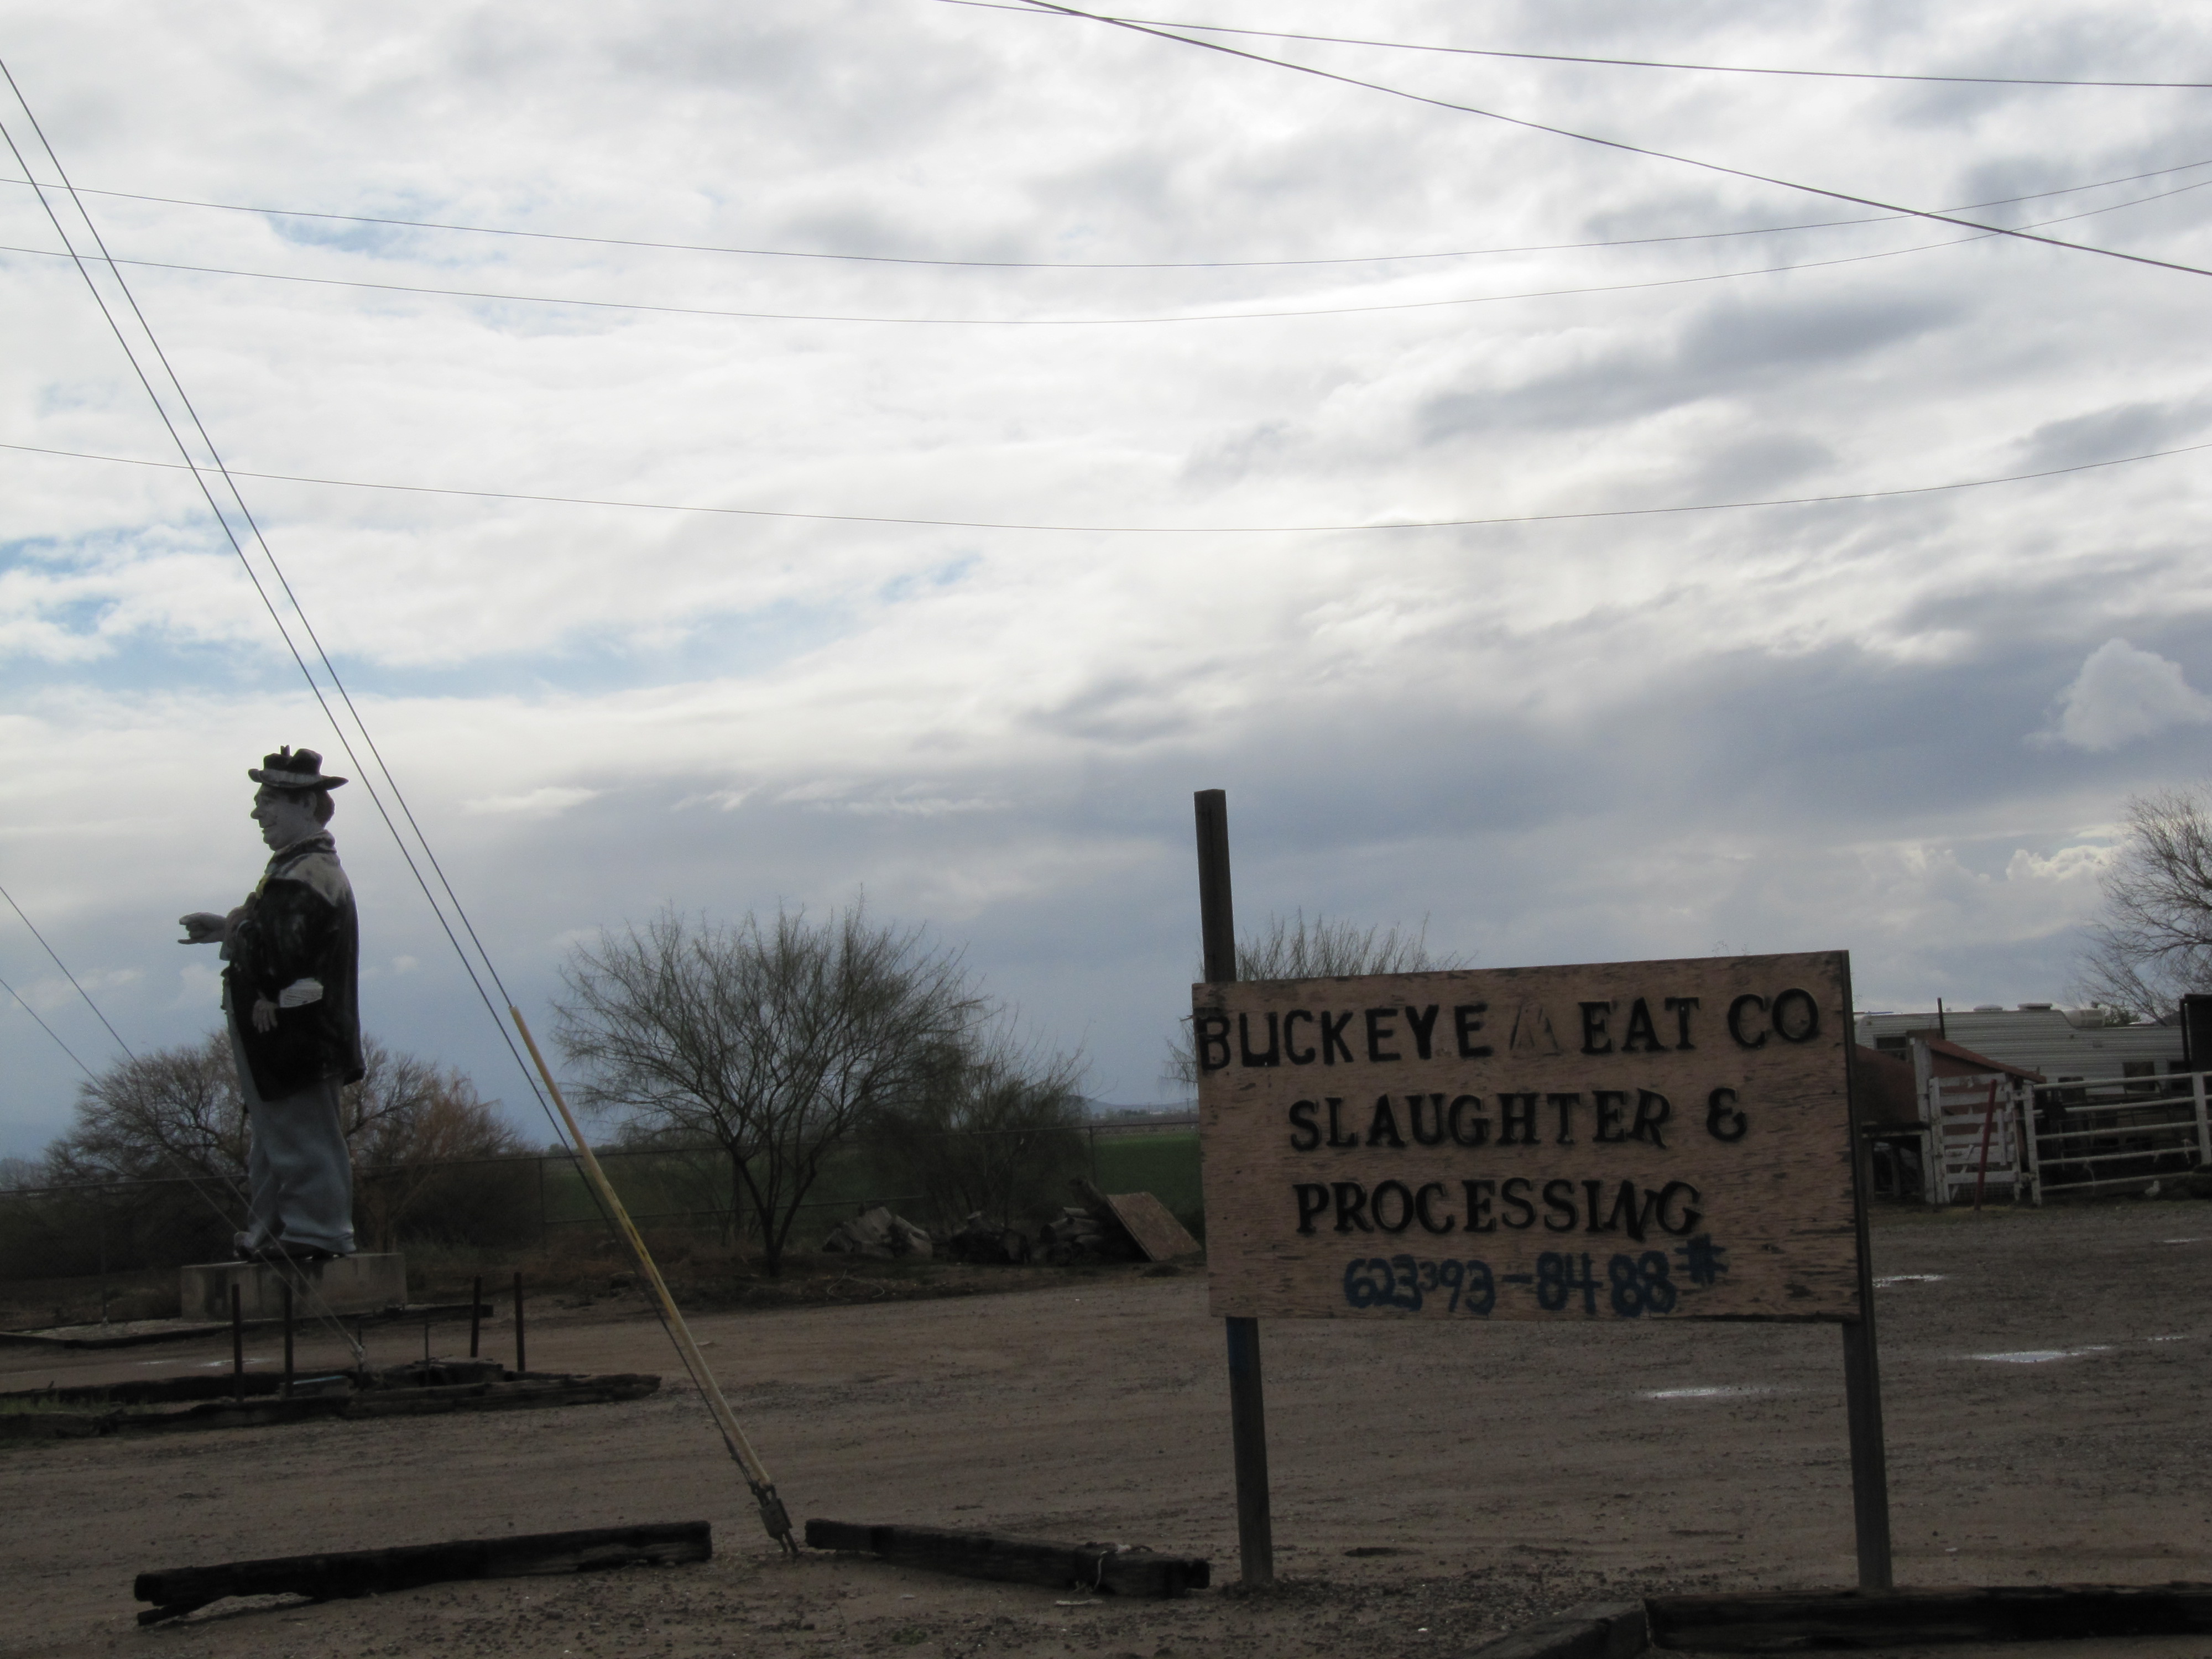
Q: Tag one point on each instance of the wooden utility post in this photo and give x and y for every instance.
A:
(1248, 1413)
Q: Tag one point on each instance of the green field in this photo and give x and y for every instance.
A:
(1165, 1165)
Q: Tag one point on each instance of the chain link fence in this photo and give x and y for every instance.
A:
(107, 1228)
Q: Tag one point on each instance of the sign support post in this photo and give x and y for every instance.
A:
(1248, 1413)
(1863, 1376)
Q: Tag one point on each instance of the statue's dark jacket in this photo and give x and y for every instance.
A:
(298, 925)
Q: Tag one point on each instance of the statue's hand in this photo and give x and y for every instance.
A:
(264, 1015)
(203, 927)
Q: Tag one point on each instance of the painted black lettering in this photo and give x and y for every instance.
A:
(1519, 1202)
(1516, 1112)
(1748, 999)
(1559, 1203)
(1332, 1045)
(1797, 1017)
(1350, 1207)
(1434, 1134)
(1466, 1020)
(1479, 1194)
(1379, 1031)
(1313, 1199)
(1382, 1127)
(1626, 1210)
(1681, 1008)
(1293, 1055)
(1595, 1040)
(1722, 1120)
(1566, 1104)
(1274, 1050)
(1592, 1203)
(1305, 1133)
(1652, 1112)
(1211, 1032)
(1429, 1222)
(1641, 1038)
(1609, 1104)
(1690, 1216)
(1465, 1133)
(1422, 1022)
(1404, 1194)
(1336, 1135)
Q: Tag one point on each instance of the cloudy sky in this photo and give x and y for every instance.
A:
(1025, 422)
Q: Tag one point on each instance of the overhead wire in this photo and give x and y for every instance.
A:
(1093, 265)
(1617, 144)
(1113, 322)
(771, 1507)
(48, 1030)
(330, 668)
(1346, 528)
(66, 975)
(1628, 63)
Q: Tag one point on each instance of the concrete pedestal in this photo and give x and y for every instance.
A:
(348, 1284)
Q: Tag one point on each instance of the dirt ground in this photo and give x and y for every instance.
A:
(2046, 1380)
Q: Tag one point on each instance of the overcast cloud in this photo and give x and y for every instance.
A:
(1905, 725)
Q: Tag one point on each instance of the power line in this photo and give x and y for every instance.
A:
(1103, 322)
(1148, 530)
(1620, 145)
(1083, 265)
(200, 477)
(1625, 63)
(66, 975)
(47, 1028)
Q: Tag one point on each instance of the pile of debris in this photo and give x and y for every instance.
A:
(879, 1233)
(1126, 1227)
(981, 1239)
(1075, 1236)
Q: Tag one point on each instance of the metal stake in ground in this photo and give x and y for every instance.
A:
(772, 1515)
(1247, 1404)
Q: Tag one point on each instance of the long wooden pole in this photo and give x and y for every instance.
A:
(1247, 1401)
(772, 1515)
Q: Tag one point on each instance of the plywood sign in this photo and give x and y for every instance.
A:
(1622, 1141)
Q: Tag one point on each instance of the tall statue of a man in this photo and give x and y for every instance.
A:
(290, 998)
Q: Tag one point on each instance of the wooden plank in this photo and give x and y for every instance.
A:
(1788, 1621)
(1608, 1141)
(1158, 1236)
(1018, 1561)
(1598, 1630)
(375, 1572)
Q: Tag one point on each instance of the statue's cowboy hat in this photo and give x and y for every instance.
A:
(293, 768)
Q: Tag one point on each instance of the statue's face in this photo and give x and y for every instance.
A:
(283, 817)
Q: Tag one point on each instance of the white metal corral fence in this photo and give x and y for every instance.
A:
(2002, 1137)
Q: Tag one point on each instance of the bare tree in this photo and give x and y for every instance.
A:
(1320, 949)
(2153, 942)
(156, 1116)
(773, 1040)
(995, 1127)
(410, 1123)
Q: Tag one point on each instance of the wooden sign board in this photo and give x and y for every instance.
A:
(1619, 1141)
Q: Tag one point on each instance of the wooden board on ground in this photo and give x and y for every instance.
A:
(1018, 1561)
(1612, 1141)
(1788, 1621)
(1157, 1234)
(374, 1572)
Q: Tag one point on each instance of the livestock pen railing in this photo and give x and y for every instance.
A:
(1994, 1134)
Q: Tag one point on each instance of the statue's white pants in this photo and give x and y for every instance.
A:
(298, 1171)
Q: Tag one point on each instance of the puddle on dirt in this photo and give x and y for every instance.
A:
(1730, 1392)
(2041, 1356)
